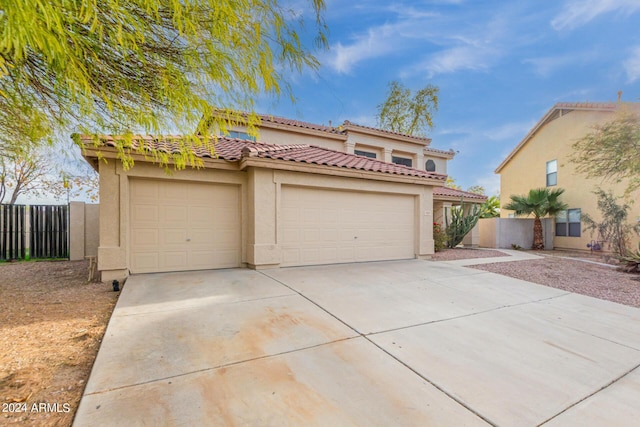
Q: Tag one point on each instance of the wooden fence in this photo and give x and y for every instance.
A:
(37, 231)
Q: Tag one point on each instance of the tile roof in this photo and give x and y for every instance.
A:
(404, 135)
(298, 123)
(450, 192)
(232, 149)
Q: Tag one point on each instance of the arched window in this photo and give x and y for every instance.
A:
(430, 166)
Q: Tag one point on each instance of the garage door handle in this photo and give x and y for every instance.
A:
(188, 240)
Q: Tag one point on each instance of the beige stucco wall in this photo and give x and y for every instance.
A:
(83, 230)
(261, 192)
(283, 137)
(113, 252)
(527, 169)
(441, 164)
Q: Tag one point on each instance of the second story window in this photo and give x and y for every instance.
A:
(552, 173)
(241, 135)
(402, 161)
(365, 154)
(430, 166)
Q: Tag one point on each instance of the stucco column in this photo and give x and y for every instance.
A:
(420, 162)
(349, 147)
(112, 254)
(262, 248)
(387, 155)
(76, 231)
(425, 224)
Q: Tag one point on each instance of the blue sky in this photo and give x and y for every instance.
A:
(500, 66)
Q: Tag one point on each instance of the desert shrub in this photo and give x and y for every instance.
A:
(439, 237)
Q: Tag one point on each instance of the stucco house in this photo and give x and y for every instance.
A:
(304, 194)
(542, 159)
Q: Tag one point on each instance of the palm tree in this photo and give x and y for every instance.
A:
(540, 202)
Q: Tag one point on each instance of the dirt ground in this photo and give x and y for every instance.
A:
(51, 325)
(464, 253)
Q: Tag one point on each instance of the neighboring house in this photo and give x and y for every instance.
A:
(542, 159)
(298, 197)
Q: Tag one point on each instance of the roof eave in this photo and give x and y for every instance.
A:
(335, 171)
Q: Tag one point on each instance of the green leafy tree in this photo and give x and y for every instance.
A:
(123, 66)
(451, 183)
(407, 113)
(612, 150)
(614, 228)
(477, 189)
(491, 208)
(540, 202)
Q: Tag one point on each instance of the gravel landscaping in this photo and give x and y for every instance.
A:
(51, 325)
(580, 275)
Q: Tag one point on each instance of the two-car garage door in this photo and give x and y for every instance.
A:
(329, 226)
(178, 226)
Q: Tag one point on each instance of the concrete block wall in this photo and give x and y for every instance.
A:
(84, 230)
(501, 233)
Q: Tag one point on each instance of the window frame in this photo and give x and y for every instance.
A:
(396, 159)
(553, 174)
(367, 154)
(239, 134)
(565, 227)
(426, 165)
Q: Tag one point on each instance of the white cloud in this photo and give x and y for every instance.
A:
(377, 42)
(632, 65)
(579, 12)
(466, 57)
(545, 66)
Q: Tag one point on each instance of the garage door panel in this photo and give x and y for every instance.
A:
(186, 226)
(145, 237)
(328, 226)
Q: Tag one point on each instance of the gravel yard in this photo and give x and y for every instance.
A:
(51, 325)
(556, 271)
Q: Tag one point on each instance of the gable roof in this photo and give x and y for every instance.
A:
(559, 110)
(234, 150)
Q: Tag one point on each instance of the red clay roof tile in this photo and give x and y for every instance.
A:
(232, 149)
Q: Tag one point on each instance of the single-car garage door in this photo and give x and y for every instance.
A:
(328, 226)
(177, 226)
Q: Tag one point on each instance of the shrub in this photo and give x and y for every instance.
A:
(439, 237)
(631, 261)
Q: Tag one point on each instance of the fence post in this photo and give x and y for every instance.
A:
(27, 232)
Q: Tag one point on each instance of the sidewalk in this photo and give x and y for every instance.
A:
(513, 256)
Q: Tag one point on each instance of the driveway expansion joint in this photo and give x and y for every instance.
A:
(224, 365)
(609, 384)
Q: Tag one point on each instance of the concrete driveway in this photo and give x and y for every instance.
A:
(390, 343)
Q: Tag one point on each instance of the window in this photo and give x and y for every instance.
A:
(241, 135)
(568, 223)
(430, 166)
(402, 161)
(552, 173)
(365, 154)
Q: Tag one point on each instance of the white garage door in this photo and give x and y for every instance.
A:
(326, 226)
(177, 226)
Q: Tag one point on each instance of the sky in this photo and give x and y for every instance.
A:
(499, 65)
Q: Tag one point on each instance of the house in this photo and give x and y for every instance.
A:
(542, 159)
(300, 196)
